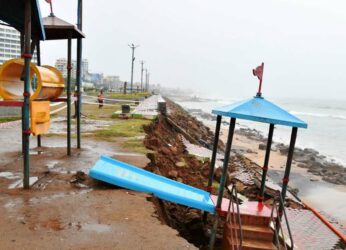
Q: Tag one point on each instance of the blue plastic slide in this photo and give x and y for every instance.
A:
(127, 176)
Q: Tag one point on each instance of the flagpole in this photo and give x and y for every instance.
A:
(259, 93)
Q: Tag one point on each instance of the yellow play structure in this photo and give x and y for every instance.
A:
(47, 83)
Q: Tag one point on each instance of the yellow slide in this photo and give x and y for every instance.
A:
(47, 83)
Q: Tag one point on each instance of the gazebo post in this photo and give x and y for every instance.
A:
(25, 118)
(222, 181)
(69, 67)
(213, 158)
(266, 162)
(38, 52)
(79, 73)
(285, 180)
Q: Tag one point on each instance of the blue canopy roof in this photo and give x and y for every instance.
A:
(260, 110)
(12, 13)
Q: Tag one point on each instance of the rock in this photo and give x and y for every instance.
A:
(262, 146)
(192, 215)
(180, 164)
(313, 179)
(165, 151)
(302, 165)
(310, 151)
(173, 174)
(217, 174)
(151, 157)
(283, 150)
(180, 180)
(153, 143)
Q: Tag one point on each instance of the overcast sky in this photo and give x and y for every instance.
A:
(212, 46)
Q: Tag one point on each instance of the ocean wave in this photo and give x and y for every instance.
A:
(332, 108)
(340, 117)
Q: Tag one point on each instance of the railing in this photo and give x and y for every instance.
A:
(279, 234)
(233, 218)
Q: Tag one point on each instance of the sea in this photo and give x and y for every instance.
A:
(326, 121)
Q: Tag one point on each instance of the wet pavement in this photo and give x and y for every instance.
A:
(65, 209)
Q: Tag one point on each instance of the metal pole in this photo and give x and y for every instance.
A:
(213, 159)
(285, 180)
(25, 118)
(266, 162)
(133, 47)
(38, 64)
(148, 81)
(22, 109)
(69, 68)
(213, 156)
(222, 181)
(142, 62)
(79, 73)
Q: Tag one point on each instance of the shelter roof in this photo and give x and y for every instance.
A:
(13, 13)
(57, 28)
(260, 110)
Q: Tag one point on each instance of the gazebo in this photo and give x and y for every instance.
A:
(58, 29)
(256, 109)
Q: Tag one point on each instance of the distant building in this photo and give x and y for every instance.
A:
(96, 78)
(85, 68)
(112, 82)
(61, 65)
(9, 43)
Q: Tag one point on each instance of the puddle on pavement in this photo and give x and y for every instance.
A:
(51, 164)
(98, 228)
(10, 175)
(19, 183)
(14, 203)
(36, 200)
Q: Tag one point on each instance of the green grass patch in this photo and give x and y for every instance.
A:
(94, 112)
(136, 145)
(123, 128)
(121, 95)
(127, 96)
(8, 119)
(215, 185)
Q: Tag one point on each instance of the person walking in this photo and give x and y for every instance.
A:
(100, 98)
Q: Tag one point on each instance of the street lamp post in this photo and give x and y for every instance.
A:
(133, 47)
(142, 62)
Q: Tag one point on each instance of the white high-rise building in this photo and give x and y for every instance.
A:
(61, 65)
(9, 43)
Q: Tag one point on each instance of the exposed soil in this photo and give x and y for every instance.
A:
(170, 159)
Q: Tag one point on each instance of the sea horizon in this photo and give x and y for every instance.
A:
(326, 121)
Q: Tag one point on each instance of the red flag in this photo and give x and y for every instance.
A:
(258, 72)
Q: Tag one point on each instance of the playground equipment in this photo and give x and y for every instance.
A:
(47, 83)
(25, 16)
(259, 110)
(124, 175)
(40, 117)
